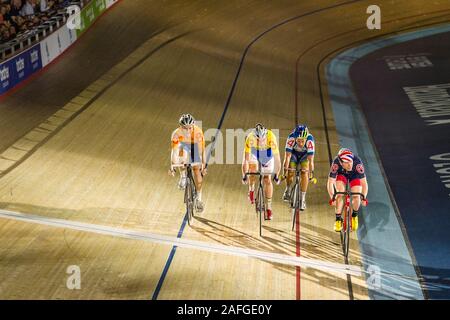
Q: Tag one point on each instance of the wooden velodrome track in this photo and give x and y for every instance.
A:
(125, 84)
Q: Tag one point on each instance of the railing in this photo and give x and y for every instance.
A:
(33, 36)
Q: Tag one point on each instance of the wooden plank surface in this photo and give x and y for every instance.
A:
(108, 165)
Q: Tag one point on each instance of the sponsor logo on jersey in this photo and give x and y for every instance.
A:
(290, 142)
(360, 168)
(334, 168)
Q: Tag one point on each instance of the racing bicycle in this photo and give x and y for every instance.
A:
(295, 196)
(260, 204)
(190, 191)
(346, 216)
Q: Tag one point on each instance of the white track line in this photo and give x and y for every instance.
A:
(184, 243)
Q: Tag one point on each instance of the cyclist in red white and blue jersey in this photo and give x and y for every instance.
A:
(300, 149)
(347, 167)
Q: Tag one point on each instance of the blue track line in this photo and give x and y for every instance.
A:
(222, 118)
(169, 261)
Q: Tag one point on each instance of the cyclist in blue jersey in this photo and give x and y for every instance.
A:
(300, 149)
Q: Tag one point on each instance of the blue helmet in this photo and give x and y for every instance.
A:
(301, 131)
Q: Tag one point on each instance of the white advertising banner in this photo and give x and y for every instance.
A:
(56, 43)
(66, 37)
(49, 49)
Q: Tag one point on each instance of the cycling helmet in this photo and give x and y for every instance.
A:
(260, 131)
(302, 131)
(186, 119)
(345, 155)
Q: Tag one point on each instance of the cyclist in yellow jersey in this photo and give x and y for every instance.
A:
(261, 152)
(188, 146)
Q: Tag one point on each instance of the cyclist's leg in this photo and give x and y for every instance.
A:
(198, 178)
(290, 177)
(180, 156)
(268, 188)
(291, 174)
(195, 157)
(304, 165)
(267, 168)
(355, 186)
(182, 181)
(253, 168)
(341, 183)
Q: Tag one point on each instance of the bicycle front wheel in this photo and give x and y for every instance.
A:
(193, 195)
(262, 209)
(346, 228)
(294, 205)
(293, 196)
(189, 199)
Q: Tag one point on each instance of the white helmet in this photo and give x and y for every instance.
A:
(186, 119)
(260, 131)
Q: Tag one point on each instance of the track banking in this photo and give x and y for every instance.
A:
(431, 102)
(441, 163)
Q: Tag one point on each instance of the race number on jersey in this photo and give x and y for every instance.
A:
(290, 143)
(310, 146)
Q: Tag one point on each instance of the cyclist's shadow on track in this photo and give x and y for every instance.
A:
(375, 216)
(238, 238)
(235, 237)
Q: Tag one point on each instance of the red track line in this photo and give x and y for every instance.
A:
(296, 90)
(297, 243)
(297, 221)
(54, 61)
